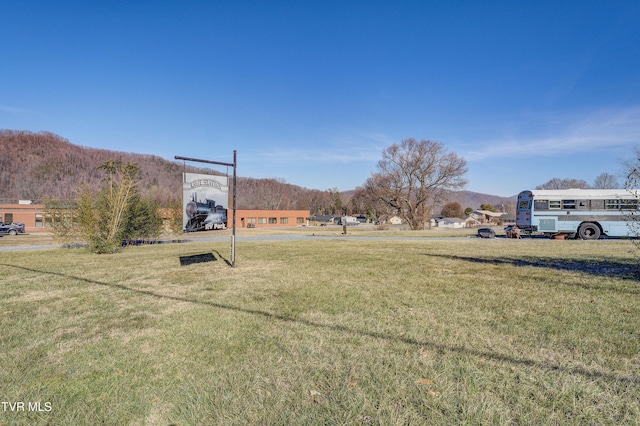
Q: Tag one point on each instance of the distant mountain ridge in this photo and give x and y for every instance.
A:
(476, 199)
(38, 166)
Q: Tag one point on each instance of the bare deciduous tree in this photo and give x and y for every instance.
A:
(632, 184)
(557, 183)
(413, 177)
(605, 181)
(452, 209)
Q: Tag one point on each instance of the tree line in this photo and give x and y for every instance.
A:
(39, 166)
(602, 181)
(411, 179)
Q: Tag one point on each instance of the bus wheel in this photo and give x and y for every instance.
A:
(589, 231)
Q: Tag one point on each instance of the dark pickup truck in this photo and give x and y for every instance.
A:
(12, 228)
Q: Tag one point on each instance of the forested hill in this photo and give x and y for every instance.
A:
(40, 166)
(35, 166)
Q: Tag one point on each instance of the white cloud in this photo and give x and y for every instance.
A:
(22, 112)
(343, 148)
(597, 131)
(330, 154)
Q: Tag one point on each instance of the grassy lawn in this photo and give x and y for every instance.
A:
(323, 332)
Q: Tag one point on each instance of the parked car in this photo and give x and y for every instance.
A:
(12, 228)
(486, 233)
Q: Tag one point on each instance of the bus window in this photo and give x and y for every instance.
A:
(554, 204)
(621, 204)
(524, 205)
(541, 205)
(583, 204)
(611, 204)
(569, 204)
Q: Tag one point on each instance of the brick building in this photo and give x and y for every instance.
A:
(32, 215)
(34, 218)
(269, 218)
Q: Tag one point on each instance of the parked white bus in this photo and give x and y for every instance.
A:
(577, 213)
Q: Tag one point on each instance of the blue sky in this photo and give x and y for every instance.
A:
(312, 92)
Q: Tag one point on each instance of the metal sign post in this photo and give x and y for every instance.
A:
(234, 165)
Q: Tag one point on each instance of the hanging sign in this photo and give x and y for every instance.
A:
(205, 200)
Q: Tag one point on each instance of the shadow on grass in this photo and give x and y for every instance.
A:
(634, 380)
(202, 258)
(621, 270)
(196, 258)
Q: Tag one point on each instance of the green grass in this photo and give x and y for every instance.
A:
(324, 332)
